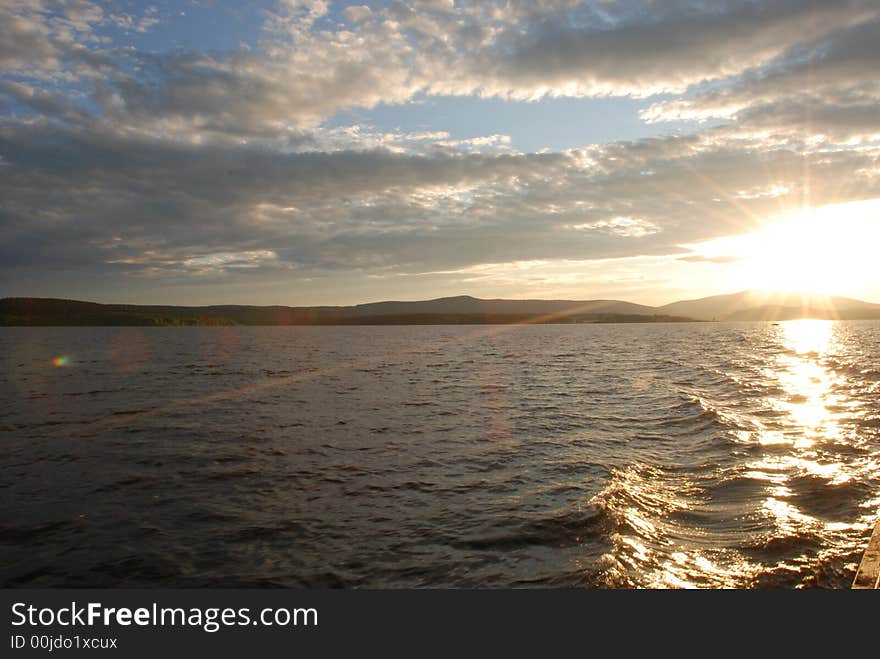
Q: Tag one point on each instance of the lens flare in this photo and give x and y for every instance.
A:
(62, 361)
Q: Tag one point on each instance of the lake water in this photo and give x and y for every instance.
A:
(658, 455)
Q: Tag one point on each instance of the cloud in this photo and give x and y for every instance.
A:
(827, 88)
(357, 13)
(621, 226)
(666, 49)
(709, 259)
(119, 163)
(104, 201)
(60, 40)
(25, 37)
(300, 75)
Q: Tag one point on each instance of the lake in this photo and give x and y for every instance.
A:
(640, 455)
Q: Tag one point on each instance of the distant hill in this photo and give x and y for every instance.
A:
(450, 310)
(443, 311)
(465, 304)
(778, 312)
(752, 305)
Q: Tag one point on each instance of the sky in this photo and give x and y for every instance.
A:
(308, 152)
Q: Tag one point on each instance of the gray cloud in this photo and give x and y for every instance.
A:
(675, 45)
(298, 76)
(828, 88)
(106, 202)
(125, 166)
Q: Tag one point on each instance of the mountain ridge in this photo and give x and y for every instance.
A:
(762, 305)
(461, 309)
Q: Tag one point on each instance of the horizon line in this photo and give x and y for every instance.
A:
(757, 292)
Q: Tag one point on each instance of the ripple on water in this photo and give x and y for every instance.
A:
(695, 455)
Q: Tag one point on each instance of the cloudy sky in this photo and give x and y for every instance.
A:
(314, 151)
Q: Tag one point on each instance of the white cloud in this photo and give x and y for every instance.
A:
(227, 164)
(631, 227)
(301, 74)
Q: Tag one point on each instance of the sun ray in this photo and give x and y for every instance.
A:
(814, 252)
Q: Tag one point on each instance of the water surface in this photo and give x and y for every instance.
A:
(658, 455)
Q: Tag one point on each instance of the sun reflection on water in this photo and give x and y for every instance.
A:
(808, 403)
(810, 417)
(808, 384)
(808, 336)
(807, 415)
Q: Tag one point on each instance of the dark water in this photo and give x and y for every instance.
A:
(708, 455)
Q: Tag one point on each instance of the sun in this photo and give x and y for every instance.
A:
(820, 251)
(802, 252)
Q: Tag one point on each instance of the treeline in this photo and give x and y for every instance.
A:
(50, 312)
(496, 319)
(54, 312)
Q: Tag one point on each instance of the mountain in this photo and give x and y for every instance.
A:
(746, 305)
(466, 304)
(449, 310)
(758, 305)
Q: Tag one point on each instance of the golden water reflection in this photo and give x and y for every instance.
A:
(807, 406)
(808, 336)
(808, 385)
(799, 421)
(810, 415)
